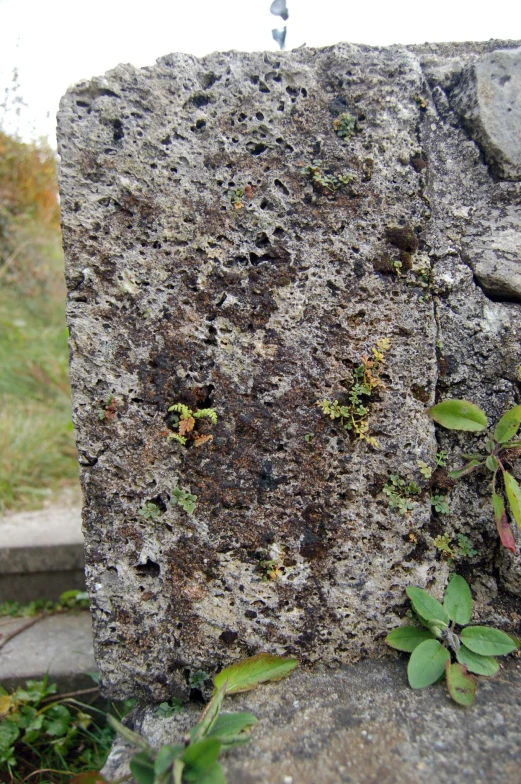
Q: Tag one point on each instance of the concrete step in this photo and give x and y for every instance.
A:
(361, 724)
(59, 645)
(41, 552)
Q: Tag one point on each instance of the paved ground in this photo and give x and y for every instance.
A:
(60, 645)
(41, 552)
(364, 725)
(55, 523)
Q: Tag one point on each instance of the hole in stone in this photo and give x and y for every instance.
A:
(200, 100)
(262, 240)
(208, 401)
(118, 130)
(280, 185)
(256, 148)
(208, 79)
(211, 340)
(149, 569)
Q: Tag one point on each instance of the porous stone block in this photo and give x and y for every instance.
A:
(231, 244)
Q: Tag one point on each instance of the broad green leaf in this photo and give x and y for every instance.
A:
(503, 527)
(487, 641)
(57, 721)
(132, 737)
(407, 638)
(165, 757)
(513, 495)
(508, 425)
(512, 445)
(232, 724)
(88, 777)
(142, 768)
(427, 606)
(474, 662)
(492, 463)
(213, 776)
(458, 600)
(9, 732)
(427, 664)
(459, 415)
(464, 470)
(199, 758)
(249, 673)
(461, 685)
(57, 728)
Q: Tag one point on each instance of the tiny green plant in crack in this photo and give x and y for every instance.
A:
(439, 504)
(433, 647)
(185, 419)
(236, 197)
(354, 415)
(179, 496)
(186, 500)
(400, 492)
(451, 550)
(150, 511)
(502, 448)
(345, 126)
(108, 411)
(329, 183)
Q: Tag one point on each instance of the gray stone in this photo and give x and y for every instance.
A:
(260, 303)
(488, 97)
(361, 725)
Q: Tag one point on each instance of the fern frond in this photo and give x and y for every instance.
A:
(209, 413)
(177, 437)
(182, 409)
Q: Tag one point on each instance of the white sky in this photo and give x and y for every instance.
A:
(55, 43)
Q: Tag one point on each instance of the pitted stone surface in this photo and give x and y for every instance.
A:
(177, 294)
(488, 97)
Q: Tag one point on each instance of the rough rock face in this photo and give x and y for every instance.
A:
(487, 98)
(230, 245)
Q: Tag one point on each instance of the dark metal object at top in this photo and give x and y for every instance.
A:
(279, 8)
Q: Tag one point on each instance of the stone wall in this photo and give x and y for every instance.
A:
(227, 247)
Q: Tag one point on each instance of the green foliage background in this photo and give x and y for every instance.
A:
(37, 452)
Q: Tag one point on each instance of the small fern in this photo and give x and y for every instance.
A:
(186, 422)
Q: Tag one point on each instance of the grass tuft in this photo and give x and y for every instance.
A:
(37, 451)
